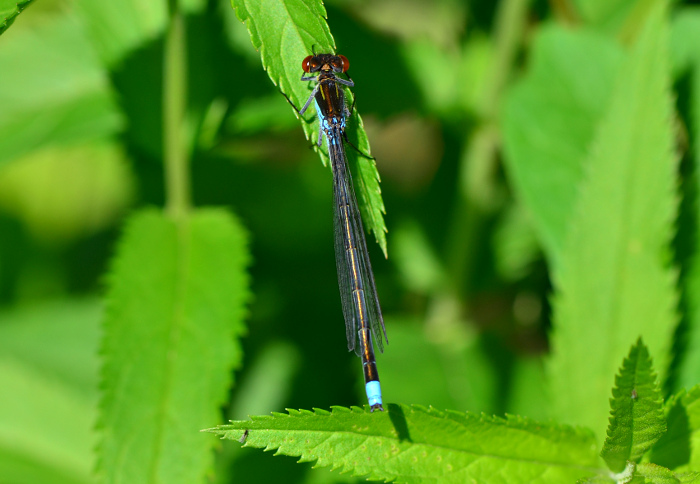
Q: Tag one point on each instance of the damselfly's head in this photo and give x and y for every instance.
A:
(325, 63)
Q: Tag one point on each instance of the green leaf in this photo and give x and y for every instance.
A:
(118, 28)
(606, 15)
(655, 474)
(549, 122)
(614, 282)
(637, 420)
(175, 308)
(9, 10)
(285, 33)
(48, 376)
(679, 447)
(684, 37)
(53, 91)
(415, 444)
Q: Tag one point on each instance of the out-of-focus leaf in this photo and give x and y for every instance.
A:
(65, 191)
(656, 474)
(416, 261)
(685, 37)
(415, 444)
(9, 10)
(637, 420)
(174, 316)
(515, 243)
(48, 377)
(285, 33)
(685, 33)
(607, 15)
(116, 28)
(614, 281)
(549, 122)
(53, 90)
(679, 447)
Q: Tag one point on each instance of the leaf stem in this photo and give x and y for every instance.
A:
(177, 176)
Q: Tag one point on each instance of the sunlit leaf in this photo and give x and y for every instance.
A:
(415, 444)
(614, 281)
(175, 308)
(637, 419)
(285, 33)
(549, 123)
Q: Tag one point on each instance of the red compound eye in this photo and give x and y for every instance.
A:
(346, 63)
(306, 63)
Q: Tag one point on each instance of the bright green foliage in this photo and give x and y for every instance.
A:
(549, 122)
(48, 377)
(415, 444)
(679, 447)
(175, 309)
(685, 36)
(61, 96)
(637, 419)
(285, 33)
(9, 10)
(613, 282)
(654, 474)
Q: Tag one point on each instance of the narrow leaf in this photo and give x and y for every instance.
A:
(415, 444)
(9, 10)
(285, 33)
(679, 447)
(549, 122)
(175, 308)
(614, 282)
(637, 419)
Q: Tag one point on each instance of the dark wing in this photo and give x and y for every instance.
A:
(351, 257)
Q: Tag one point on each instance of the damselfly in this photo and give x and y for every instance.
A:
(364, 324)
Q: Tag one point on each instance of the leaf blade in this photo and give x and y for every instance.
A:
(285, 33)
(175, 311)
(614, 282)
(415, 444)
(637, 419)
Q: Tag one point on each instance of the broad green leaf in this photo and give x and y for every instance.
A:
(53, 91)
(614, 282)
(679, 447)
(285, 33)
(414, 444)
(175, 308)
(117, 28)
(9, 10)
(62, 192)
(549, 122)
(48, 377)
(655, 474)
(637, 420)
(685, 35)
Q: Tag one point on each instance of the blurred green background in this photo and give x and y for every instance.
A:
(464, 290)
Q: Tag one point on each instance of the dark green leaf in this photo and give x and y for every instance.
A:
(415, 444)
(175, 308)
(614, 281)
(285, 33)
(637, 420)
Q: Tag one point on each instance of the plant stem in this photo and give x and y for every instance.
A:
(177, 179)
